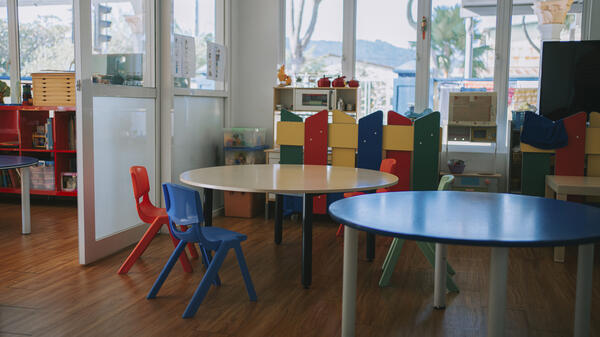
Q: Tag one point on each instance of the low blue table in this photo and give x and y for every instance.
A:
(495, 220)
(21, 163)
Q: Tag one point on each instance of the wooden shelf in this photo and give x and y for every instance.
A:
(18, 124)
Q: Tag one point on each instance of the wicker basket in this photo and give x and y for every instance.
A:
(53, 89)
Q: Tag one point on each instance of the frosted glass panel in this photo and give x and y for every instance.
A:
(124, 135)
(197, 136)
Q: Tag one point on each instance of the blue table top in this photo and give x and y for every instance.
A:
(10, 162)
(471, 218)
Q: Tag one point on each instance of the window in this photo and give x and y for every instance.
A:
(462, 52)
(4, 55)
(197, 19)
(121, 43)
(313, 40)
(525, 58)
(46, 37)
(385, 55)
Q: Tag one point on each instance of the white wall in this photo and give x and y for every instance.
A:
(254, 53)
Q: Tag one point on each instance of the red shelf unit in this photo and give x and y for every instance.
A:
(16, 127)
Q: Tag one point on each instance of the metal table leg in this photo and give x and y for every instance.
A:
(278, 218)
(583, 294)
(307, 201)
(208, 207)
(497, 295)
(349, 282)
(370, 246)
(25, 205)
(439, 289)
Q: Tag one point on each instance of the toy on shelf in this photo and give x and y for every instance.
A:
(324, 82)
(353, 83)
(456, 166)
(339, 82)
(284, 79)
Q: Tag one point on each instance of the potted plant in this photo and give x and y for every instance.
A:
(4, 91)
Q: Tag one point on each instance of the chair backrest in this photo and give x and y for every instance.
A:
(184, 208)
(445, 182)
(388, 165)
(141, 188)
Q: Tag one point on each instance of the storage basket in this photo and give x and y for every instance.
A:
(53, 89)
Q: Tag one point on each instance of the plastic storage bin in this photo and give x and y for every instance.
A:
(244, 137)
(244, 156)
(242, 204)
(42, 176)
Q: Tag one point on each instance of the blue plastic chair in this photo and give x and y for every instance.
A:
(184, 208)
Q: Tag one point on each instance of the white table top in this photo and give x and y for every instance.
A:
(588, 186)
(290, 179)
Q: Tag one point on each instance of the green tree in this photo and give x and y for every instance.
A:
(448, 36)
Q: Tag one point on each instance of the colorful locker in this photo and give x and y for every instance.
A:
(426, 150)
(403, 158)
(343, 140)
(592, 149)
(291, 154)
(535, 167)
(570, 160)
(370, 141)
(315, 151)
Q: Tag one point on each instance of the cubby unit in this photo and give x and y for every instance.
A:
(25, 131)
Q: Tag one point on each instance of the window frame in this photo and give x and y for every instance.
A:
(222, 36)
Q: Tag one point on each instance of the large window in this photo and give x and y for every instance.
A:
(462, 52)
(46, 36)
(385, 54)
(121, 45)
(313, 40)
(525, 46)
(197, 19)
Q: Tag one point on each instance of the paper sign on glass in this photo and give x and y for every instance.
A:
(216, 59)
(185, 56)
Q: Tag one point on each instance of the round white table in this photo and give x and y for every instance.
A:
(21, 163)
(305, 180)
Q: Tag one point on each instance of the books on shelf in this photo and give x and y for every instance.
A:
(10, 179)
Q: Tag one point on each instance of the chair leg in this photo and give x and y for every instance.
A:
(392, 260)
(245, 272)
(340, 231)
(388, 255)
(202, 289)
(166, 270)
(191, 247)
(206, 258)
(185, 263)
(141, 246)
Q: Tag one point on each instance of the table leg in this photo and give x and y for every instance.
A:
(439, 289)
(349, 282)
(497, 292)
(278, 218)
(208, 207)
(370, 246)
(307, 240)
(559, 252)
(25, 205)
(583, 294)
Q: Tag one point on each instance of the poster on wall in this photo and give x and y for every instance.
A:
(185, 56)
(216, 59)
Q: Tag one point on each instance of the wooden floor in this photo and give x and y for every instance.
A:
(44, 292)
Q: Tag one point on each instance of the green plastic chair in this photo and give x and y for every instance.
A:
(428, 249)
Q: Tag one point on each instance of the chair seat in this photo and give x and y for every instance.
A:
(352, 194)
(150, 212)
(222, 234)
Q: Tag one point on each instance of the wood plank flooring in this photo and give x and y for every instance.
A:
(45, 292)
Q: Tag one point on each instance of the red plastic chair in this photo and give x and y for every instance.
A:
(387, 166)
(153, 215)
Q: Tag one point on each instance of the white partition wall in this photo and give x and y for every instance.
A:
(125, 135)
(197, 139)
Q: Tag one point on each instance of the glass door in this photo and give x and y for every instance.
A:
(116, 120)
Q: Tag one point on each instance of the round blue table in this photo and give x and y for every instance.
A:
(21, 163)
(495, 220)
